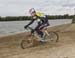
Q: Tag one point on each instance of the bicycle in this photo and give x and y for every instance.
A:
(31, 39)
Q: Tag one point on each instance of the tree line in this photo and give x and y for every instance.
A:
(21, 18)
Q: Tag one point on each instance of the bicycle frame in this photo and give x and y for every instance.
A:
(35, 33)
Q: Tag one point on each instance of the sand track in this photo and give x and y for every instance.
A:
(65, 48)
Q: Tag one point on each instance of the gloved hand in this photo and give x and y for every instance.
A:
(32, 31)
(25, 26)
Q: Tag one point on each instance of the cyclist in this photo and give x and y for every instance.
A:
(42, 22)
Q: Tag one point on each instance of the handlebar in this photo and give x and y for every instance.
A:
(31, 29)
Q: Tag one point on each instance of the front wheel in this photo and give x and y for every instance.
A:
(52, 37)
(26, 43)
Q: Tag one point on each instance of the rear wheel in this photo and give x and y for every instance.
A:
(52, 37)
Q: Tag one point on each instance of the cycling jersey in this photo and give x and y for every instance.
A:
(40, 18)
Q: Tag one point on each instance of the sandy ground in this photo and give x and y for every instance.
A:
(65, 48)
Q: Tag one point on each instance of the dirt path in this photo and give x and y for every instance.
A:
(65, 48)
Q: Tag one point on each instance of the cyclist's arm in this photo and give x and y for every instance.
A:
(31, 22)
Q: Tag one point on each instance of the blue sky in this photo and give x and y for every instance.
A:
(51, 7)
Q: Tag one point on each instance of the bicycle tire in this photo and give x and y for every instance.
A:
(26, 43)
(51, 35)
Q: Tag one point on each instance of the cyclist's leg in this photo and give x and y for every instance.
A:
(39, 32)
(42, 33)
(43, 28)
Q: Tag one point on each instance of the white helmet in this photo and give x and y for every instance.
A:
(32, 10)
